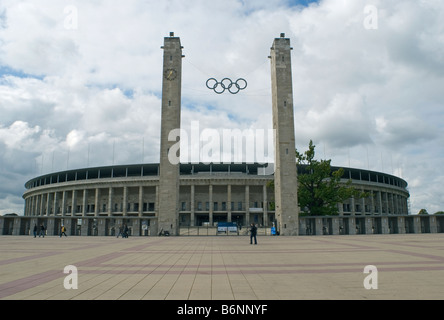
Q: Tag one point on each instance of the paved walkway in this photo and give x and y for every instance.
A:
(223, 268)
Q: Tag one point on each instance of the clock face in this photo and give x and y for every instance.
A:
(170, 74)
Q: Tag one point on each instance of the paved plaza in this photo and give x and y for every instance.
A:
(409, 266)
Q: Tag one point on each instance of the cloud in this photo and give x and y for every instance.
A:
(91, 95)
(343, 123)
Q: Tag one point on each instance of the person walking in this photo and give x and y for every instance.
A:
(35, 230)
(63, 231)
(42, 230)
(120, 231)
(253, 233)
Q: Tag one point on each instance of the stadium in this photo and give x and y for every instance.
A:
(169, 198)
(98, 200)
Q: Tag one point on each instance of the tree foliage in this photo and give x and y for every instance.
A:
(320, 189)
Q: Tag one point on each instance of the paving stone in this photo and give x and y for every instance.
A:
(409, 266)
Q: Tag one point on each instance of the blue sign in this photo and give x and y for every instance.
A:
(226, 226)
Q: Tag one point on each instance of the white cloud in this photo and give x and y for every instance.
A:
(91, 95)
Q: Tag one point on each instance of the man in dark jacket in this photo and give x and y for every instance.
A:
(253, 232)
(42, 230)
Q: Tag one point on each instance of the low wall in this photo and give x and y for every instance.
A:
(146, 226)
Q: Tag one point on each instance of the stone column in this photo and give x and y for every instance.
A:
(97, 202)
(31, 206)
(110, 201)
(385, 203)
(352, 205)
(51, 227)
(401, 225)
(302, 226)
(74, 203)
(433, 224)
(140, 201)
(25, 213)
(351, 225)
(84, 202)
(48, 204)
(136, 228)
(125, 201)
(265, 206)
(369, 225)
(64, 203)
(285, 175)
(192, 208)
(156, 205)
(54, 205)
(384, 225)
(229, 203)
(247, 205)
(101, 227)
(417, 224)
(168, 213)
(363, 206)
(395, 203)
(379, 195)
(41, 205)
(319, 226)
(67, 223)
(84, 227)
(16, 226)
(36, 205)
(341, 208)
(210, 196)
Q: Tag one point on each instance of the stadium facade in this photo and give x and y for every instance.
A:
(97, 201)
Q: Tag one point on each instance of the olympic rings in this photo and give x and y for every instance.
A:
(226, 84)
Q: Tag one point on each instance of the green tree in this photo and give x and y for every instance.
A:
(320, 189)
(423, 211)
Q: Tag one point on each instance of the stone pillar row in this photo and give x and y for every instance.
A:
(337, 225)
(57, 203)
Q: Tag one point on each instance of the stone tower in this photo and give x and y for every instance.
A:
(285, 175)
(168, 211)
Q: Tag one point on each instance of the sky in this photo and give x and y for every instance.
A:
(81, 81)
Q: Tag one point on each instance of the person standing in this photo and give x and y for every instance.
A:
(253, 233)
(35, 230)
(125, 232)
